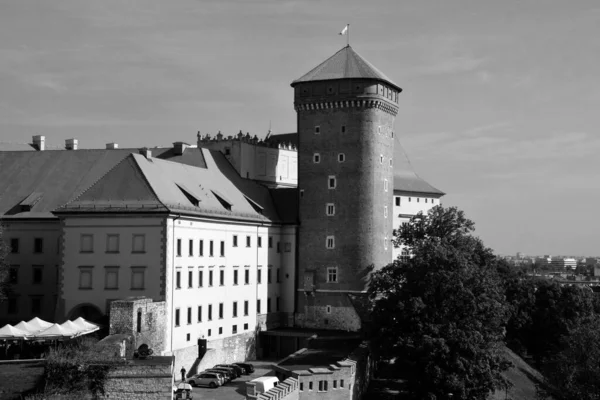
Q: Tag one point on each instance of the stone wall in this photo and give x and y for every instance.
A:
(286, 390)
(142, 380)
(237, 348)
(142, 319)
(328, 311)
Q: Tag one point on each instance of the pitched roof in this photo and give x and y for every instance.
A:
(6, 146)
(285, 138)
(34, 183)
(345, 64)
(154, 185)
(405, 178)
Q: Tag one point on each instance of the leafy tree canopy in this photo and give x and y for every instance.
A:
(441, 314)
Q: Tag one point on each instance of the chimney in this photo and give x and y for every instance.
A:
(146, 152)
(112, 146)
(39, 142)
(179, 148)
(71, 144)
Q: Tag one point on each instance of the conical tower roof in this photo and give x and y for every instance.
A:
(345, 64)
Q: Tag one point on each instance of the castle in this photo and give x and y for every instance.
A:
(221, 240)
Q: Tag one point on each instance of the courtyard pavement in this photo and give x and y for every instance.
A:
(235, 390)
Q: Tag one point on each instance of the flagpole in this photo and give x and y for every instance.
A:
(348, 36)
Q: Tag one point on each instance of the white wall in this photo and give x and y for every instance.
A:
(410, 204)
(238, 258)
(125, 259)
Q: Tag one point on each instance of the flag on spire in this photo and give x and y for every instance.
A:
(345, 30)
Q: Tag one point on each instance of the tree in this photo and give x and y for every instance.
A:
(441, 314)
(573, 372)
(4, 267)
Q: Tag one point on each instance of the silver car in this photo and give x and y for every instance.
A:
(205, 379)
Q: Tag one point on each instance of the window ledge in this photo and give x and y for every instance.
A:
(137, 289)
(107, 288)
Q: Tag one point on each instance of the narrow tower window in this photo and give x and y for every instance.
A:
(385, 185)
(384, 211)
(341, 157)
(316, 158)
(381, 159)
(317, 130)
(385, 242)
(390, 162)
(331, 182)
(330, 242)
(330, 209)
(343, 129)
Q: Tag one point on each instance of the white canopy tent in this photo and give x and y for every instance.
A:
(39, 329)
(9, 332)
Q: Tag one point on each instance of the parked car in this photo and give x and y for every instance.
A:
(231, 374)
(205, 379)
(248, 368)
(223, 375)
(238, 370)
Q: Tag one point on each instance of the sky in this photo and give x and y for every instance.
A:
(499, 109)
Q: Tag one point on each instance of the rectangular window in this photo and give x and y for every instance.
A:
(178, 279)
(220, 310)
(200, 278)
(210, 278)
(13, 274)
(189, 315)
(259, 241)
(37, 274)
(38, 245)
(277, 304)
(86, 243)
(270, 242)
(111, 278)
(384, 211)
(259, 275)
(178, 247)
(269, 275)
(201, 248)
(335, 384)
(177, 317)
(246, 307)
(317, 130)
(310, 385)
(385, 185)
(258, 306)
(222, 248)
(330, 242)
(246, 276)
(209, 332)
(279, 247)
(331, 182)
(301, 386)
(14, 245)
(138, 244)
(397, 201)
(245, 327)
(288, 247)
(85, 277)
(221, 277)
(210, 312)
(235, 243)
(248, 241)
(341, 383)
(112, 243)
(36, 305)
(278, 276)
(343, 129)
(190, 278)
(199, 313)
(138, 278)
(235, 276)
(12, 305)
(220, 330)
(211, 249)
(330, 209)
(332, 275)
(234, 329)
(268, 304)
(191, 247)
(234, 309)
(322, 386)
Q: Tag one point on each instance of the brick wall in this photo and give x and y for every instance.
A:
(141, 380)
(328, 310)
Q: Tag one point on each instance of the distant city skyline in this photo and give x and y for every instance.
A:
(499, 108)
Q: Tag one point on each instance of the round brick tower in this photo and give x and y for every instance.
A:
(346, 110)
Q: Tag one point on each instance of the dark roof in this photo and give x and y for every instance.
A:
(405, 178)
(345, 64)
(286, 202)
(53, 177)
(5, 146)
(138, 184)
